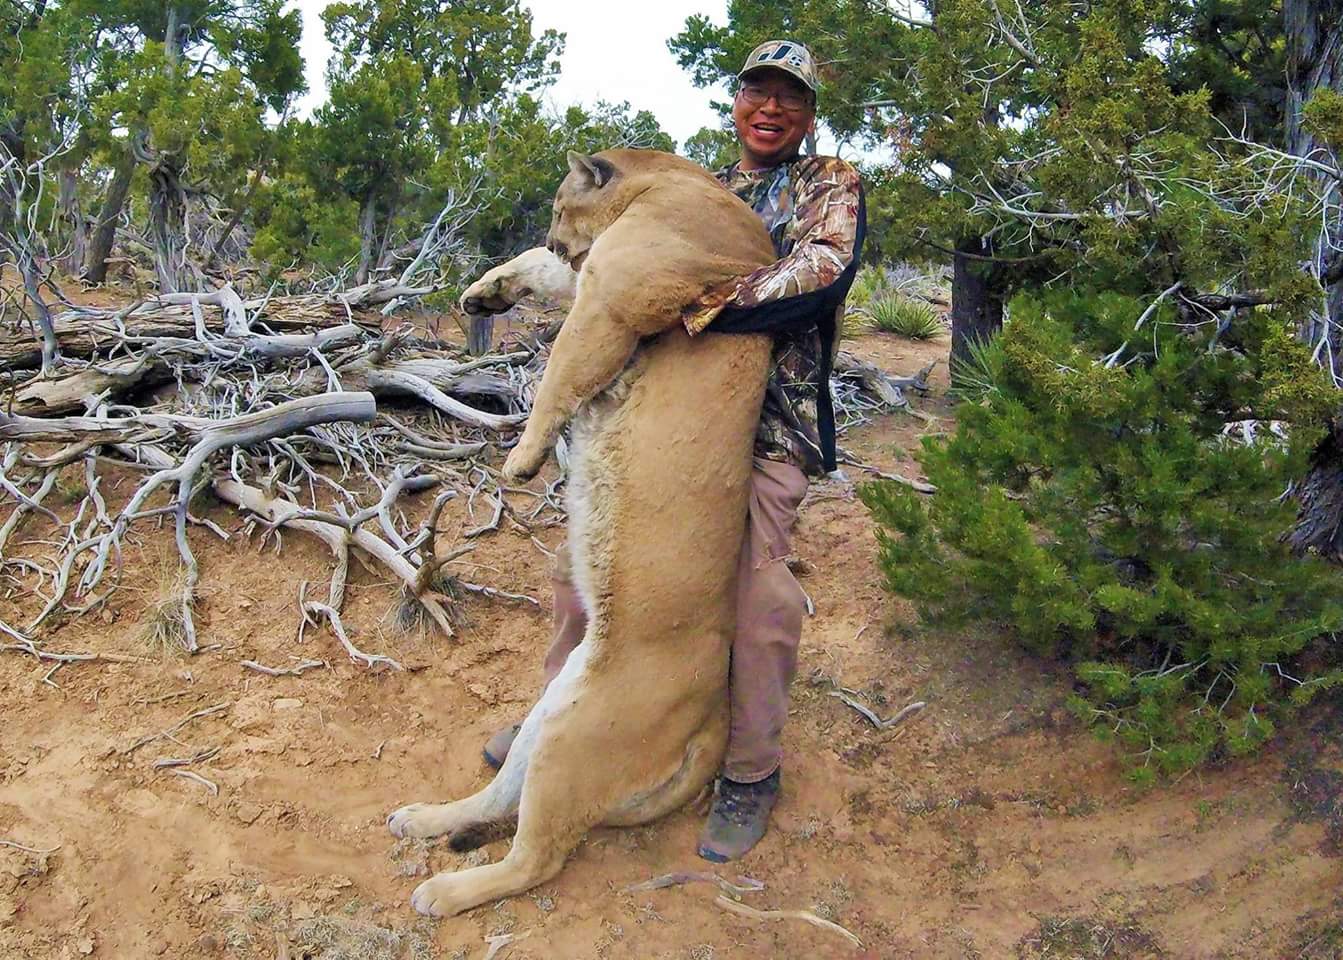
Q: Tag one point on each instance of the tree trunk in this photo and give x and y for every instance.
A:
(104, 234)
(172, 35)
(167, 199)
(384, 258)
(1319, 526)
(76, 238)
(24, 248)
(976, 299)
(368, 236)
(32, 285)
(15, 151)
(1314, 31)
(240, 205)
(167, 224)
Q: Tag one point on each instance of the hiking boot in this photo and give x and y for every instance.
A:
(738, 819)
(497, 747)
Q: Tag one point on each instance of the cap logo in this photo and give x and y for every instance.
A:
(787, 55)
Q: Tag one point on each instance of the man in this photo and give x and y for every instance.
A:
(813, 209)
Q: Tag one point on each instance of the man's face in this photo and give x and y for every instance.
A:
(773, 113)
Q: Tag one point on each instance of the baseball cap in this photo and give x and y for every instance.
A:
(787, 55)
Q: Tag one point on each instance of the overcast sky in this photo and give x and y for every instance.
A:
(614, 51)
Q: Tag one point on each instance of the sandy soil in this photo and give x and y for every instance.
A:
(990, 825)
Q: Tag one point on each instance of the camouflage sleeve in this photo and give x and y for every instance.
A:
(822, 237)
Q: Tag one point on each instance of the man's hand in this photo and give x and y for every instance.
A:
(706, 309)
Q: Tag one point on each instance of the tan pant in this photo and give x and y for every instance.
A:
(770, 608)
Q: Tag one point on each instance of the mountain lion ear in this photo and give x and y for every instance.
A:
(595, 169)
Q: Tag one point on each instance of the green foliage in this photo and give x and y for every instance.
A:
(104, 79)
(911, 319)
(422, 94)
(869, 281)
(1099, 512)
(1323, 116)
(517, 156)
(298, 224)
(467, 54)
(978, 375)
(1235, 50)
(712, 148)
(367, 139)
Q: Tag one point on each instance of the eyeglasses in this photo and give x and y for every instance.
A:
(755, 95)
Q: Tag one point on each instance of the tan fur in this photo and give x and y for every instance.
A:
(537, 272)
(636, 723)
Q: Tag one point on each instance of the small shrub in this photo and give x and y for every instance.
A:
(1098, 513)
(70, 486)
(856, 323)
(869, 282)
(905, 317)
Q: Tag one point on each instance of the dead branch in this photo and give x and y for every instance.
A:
(162, 734)
(888, 389)
(917, 485)
(871, 715)
(84, 332)
(33, 650)
(199, 756)
(498, 942)
(733, 890)
(36, 851)
(245, 430)
(284, 513)
(297, 670)
(496, 594)
(741, 909)
(338, 628)
(197, 778)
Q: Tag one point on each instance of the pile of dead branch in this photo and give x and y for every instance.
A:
(305, 413)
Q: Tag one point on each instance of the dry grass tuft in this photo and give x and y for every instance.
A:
(335, 938)
(163, 630)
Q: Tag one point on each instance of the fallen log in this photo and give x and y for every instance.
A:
(890, 390)
(66, 392)
(87, 331)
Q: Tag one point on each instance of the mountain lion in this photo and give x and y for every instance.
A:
(635, 724)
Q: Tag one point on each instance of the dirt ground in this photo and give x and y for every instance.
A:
(989, 825)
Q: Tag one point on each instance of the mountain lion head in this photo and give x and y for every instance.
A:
(588, 201)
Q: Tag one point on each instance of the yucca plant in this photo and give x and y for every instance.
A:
(905, 318)
(976, 378)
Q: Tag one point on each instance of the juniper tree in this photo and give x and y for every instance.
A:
(189, 82)
(1128, 515)
(405, 75)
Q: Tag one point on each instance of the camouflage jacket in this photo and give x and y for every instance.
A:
(811, 207)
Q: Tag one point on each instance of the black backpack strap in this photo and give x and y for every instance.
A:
(825, 401)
